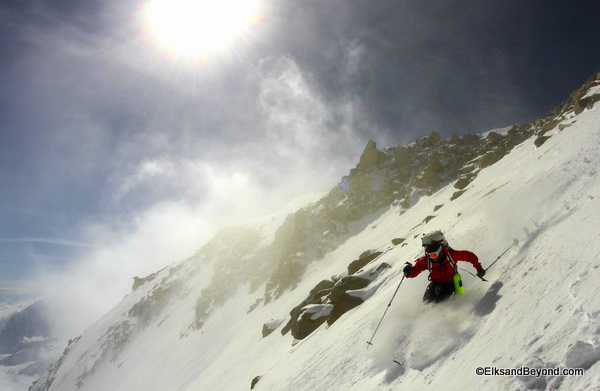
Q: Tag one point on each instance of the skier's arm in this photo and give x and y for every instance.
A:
(466, 256)
(420, 265)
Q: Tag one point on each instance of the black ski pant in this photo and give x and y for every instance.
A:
(437, 292)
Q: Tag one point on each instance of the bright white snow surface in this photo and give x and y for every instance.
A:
(542, 310)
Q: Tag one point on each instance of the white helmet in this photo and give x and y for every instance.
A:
(434, 237)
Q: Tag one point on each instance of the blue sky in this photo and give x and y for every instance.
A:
(118, 153)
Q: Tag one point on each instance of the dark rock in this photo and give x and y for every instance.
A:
(429, 179)
(550, 125)
(254, 381)
(495, 137)
(435, 162)
(454, 139)
(541, 140)
(403, 155)
(469, 138)
(466, 169)
(491, 157)
(380, 268)
(287, 327)
(138, 281)
(371, 157)
(433, 139)
(294, 314)
(457, 194)
(256, 304)
(580, 106)
(397, 241)
(271, 326)
(562, 127)
(287, 275)
(267, 330)
(343, 303)
(516, 135)
(428, 219)
(365, 254)
(306, 325)
(318, 297)
(325, 284)
(463, 182)
(586, 103)
(301, 323)
(349, 283)
(362, 261)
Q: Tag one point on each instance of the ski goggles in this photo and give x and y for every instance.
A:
(434, 253)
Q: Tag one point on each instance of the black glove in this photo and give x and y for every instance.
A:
(480, 273)
(407, 269)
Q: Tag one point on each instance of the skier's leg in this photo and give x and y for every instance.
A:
(430, 295)
(445, 291)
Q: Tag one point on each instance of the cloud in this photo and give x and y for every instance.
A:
(303, 123)
(298, 120)
(91, 283)
(58, 242)
(19, 289)
(146, 171)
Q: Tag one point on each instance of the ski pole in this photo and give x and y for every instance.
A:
(386, 310)
(500, 256)
(474, 275)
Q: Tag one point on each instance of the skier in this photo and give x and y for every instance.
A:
(440, 260)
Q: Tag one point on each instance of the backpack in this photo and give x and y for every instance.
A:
(437, 237)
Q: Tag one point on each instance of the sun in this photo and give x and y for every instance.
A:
(199, 28)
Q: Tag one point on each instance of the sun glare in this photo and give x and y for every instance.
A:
(199, 28)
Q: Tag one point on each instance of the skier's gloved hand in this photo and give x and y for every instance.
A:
(480, 273)
(407, 269)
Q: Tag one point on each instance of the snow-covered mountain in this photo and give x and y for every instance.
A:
(27, 347)
(289, 302)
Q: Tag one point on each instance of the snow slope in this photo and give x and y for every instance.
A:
(539, 309)
(545, 201)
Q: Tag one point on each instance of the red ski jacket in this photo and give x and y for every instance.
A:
(444, 271)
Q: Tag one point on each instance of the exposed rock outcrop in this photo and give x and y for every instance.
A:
(330, 299)
(371, 157)
(362, 261)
